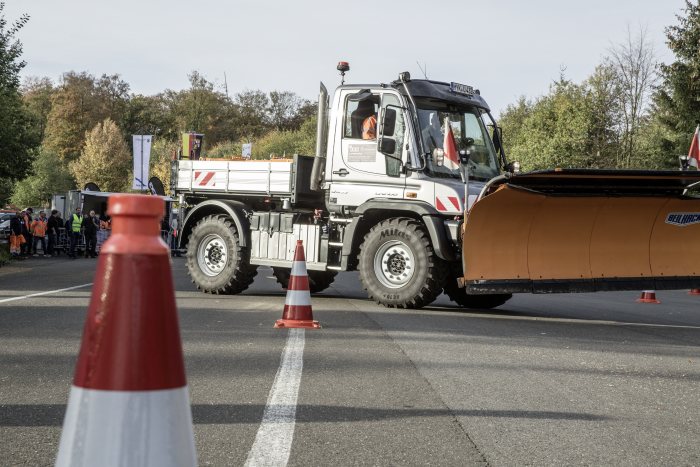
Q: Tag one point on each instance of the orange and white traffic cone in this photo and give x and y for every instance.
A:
(694, 292)
(129, 403)
(297, 305)
(648, 296)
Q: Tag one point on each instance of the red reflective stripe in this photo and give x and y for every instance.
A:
(455, 201)
(206, 178)
(439, 205)
(296, 312)
(298, 283)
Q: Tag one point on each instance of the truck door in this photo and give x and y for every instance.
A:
(359, 171)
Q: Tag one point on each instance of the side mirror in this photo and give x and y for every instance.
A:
(388, 123)
(387, 146)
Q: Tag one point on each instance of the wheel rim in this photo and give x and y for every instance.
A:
(212, 255)
(394, 264)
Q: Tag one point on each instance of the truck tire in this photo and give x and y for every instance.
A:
(398, 266)
(216, 262)
(318, 280)
(463, 299)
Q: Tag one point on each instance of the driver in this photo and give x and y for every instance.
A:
(369, 127)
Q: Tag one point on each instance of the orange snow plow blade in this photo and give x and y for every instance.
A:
(580, 231)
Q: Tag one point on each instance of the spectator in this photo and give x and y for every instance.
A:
(39, 226)
(91, 224)
(73, 229)
(26, 231)
(16, 238)
(52, 226)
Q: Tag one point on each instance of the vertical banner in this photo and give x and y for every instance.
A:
(246, 150)
(142, 157)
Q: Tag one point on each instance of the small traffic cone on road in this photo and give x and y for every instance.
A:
(648, 296)
(297, 306)
(129, 403)
(694, 292)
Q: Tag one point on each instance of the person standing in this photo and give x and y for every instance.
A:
(74, 223)
(52, 226)
(26, 231)
(16, 238)
(91, 225)
(39, 227)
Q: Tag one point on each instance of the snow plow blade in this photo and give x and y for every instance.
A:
(584, 231)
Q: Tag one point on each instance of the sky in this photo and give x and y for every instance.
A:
(507, 48)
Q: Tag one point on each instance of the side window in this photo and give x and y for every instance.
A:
(393, 159)
(358, 117)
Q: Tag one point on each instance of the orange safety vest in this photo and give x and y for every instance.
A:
(369, 127)
(39, 228)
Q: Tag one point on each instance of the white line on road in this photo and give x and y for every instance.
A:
(273, 443)
(12, 299)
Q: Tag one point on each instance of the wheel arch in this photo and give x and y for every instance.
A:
(374, 211)
(233, 209)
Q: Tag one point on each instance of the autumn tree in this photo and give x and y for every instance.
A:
(77, 105)
(36, 95)
(105, 159)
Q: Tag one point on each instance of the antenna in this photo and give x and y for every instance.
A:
(225, 84)
(423, 68)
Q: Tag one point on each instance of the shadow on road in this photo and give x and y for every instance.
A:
(34, 415)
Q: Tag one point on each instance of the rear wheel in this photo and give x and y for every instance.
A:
(398, 266)
(463, 299)
(216, 261)
(318, 280)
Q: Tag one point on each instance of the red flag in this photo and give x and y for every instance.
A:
(450, 147)
(694, 153)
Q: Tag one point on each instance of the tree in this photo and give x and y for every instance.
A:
(17, 139)
(78, 104)
(162, 153)
(634, 68)
(251, 120)
(46, 179)
(678, 98)
(36, 94)
(283, 107)
(105, 159)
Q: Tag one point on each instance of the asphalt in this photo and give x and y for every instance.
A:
(544, 380)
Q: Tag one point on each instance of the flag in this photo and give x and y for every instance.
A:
(694, 152)
(142, 157)
(450, 148)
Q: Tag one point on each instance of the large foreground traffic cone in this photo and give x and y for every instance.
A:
(694, 292)
(648, 296)
(129, 403)
(297, 306)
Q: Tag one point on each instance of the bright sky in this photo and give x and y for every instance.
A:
(505, 48)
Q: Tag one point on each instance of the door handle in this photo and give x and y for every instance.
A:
(341, 172)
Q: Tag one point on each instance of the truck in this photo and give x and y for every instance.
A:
(419, 213)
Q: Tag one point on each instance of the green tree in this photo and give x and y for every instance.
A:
(150, 115)
(105, 159)
(77, 105)
(287, 143)
(251, 118)
(16, 137)
(678, 98)
(46, 179)
(36, 95)
(163, 152)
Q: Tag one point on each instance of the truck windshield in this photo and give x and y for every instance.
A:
(433, 117)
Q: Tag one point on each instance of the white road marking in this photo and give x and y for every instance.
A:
(273, 442)
(39, 294)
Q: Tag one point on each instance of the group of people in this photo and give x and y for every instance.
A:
(28, 233)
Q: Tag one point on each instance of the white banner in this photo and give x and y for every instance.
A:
(142, 157)
(246, 150)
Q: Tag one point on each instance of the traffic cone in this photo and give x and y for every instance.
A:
(694, 292)
(129, 403)
(297, 306)
(648, 296)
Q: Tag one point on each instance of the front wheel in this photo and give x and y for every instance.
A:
(216, 261)
(398, 266)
